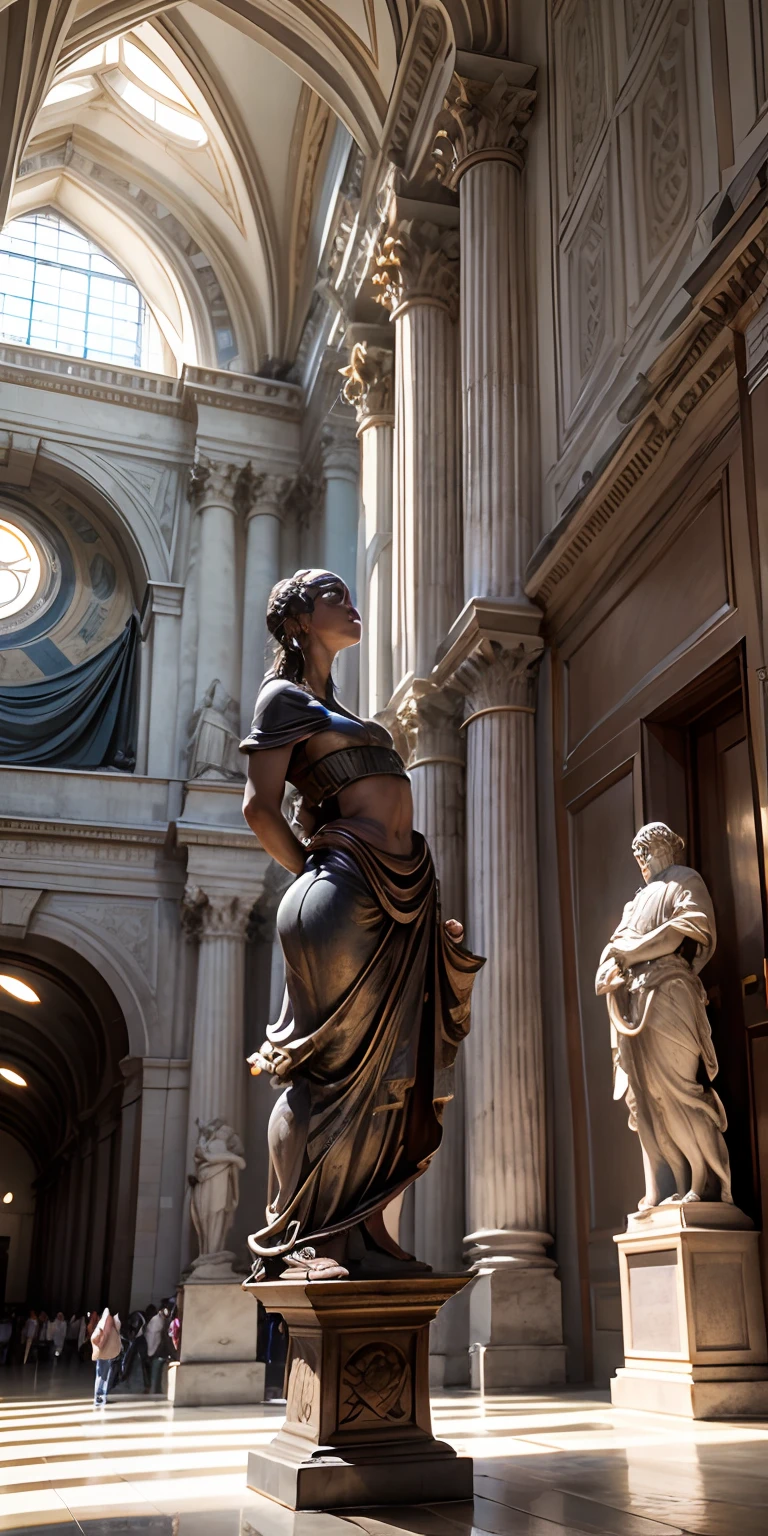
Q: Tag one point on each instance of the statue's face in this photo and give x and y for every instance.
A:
(335, 618)
(653, 864)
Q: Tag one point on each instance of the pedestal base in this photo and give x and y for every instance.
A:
(217, 1361)
(692, 1314)
(729, 1394)
(358, 1429)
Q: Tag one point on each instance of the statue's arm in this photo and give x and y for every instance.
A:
(262, 803)
(632, 949)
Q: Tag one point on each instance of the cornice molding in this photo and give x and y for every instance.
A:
(158, 393)
(699, 356)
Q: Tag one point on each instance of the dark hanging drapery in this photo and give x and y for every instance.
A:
(83, 718)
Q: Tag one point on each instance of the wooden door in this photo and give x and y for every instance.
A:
(725, 849)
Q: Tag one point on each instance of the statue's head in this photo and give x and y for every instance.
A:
(310, 606)
(655, 847)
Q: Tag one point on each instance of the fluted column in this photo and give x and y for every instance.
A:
(341, 469)
(369, 387)
(213, 493)
(480, 149)
(263, 500)
(218, 924)
(515, 1309)
(417, 275)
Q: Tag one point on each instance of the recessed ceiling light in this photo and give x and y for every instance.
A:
(13, 1077)
(18, 989)
(7, 1198)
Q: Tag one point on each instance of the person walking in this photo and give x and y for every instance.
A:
(84, 1336)
(29, 1334)
(6, 1330)
(106, 1345)
(57, 1333)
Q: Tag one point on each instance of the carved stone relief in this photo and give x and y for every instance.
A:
(635, 12)
(666, 156)
(584, 83)
(590, 284)
(130, 924)
(375, 1384)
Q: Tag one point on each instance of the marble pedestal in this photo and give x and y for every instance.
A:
(217, 1362)
(693, 1315)
(357, 1428)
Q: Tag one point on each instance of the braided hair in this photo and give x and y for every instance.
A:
(287, 600)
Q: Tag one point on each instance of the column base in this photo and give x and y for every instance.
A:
(517, 1366)
(204, 1384)
(358, 1429)
(515, 1324)
(217, 1363)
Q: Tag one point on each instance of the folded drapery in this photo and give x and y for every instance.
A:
(82, 718)
(378, 1004)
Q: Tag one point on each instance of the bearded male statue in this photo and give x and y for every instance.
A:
(649, 973)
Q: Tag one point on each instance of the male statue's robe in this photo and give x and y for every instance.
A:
(660, 1032)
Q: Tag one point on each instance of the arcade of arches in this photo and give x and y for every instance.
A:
(467, 302)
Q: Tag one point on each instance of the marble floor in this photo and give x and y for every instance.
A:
(556, 1464)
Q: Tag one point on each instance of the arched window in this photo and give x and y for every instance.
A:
(59, 292)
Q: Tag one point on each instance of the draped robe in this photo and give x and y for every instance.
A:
(660, 1033)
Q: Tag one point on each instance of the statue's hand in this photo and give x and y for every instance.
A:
(270, 1058)
(454, 929)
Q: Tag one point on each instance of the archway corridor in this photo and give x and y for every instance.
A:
(69, 1111)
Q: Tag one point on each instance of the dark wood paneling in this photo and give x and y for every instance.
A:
(677, 596)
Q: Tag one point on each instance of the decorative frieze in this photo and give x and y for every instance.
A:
(421, 79)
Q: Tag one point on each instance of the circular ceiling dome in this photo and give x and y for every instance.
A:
(29, 572)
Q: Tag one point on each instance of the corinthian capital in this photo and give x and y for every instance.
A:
(498, 678)
(418, 262)
(369, 381)
(213, 481)
(428, 719)
(213, 917)
(481, 120)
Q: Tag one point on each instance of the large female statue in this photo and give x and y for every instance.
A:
(378, 989)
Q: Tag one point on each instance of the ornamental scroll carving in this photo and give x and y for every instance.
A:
(584, 78)
(420, 261)
(481, 121)
(375, 1384)
(369, 381)
(666, 156)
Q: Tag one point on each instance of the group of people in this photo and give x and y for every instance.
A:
(139, 1348)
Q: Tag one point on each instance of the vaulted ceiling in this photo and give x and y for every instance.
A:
(221, 230)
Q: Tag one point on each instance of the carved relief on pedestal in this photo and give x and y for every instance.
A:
(369, 382)
(376, 1385)
(481, 121)
(419, 262)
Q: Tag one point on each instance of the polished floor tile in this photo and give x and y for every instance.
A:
(557, 1464)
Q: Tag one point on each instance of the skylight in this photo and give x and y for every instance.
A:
(129, 70)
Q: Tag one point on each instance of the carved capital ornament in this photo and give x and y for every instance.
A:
(369, 383)
(418, 263)
(481, 121)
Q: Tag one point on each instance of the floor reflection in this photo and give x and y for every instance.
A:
(557, 1464)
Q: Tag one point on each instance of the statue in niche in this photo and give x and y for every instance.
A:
(215, 1186)
(213, 744)
(378, 986)
(649, 974)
